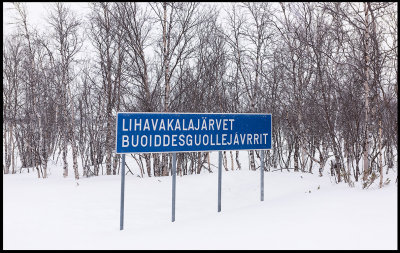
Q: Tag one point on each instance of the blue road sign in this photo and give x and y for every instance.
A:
(191, 132)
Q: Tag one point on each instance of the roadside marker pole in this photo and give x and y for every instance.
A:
(173, 184)
(121, 224)
(262, 175)
(219, 179)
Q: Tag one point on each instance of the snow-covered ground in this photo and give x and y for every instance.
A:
(299, 211)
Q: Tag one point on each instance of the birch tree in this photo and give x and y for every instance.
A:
(67, 43)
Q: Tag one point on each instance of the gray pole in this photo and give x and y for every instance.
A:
(121, 224)
(173, 184)
(262, 175)
(219, 179)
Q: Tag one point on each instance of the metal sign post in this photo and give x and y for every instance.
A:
(219, 179)
(262, 175)
(173, 185)
(121, 223)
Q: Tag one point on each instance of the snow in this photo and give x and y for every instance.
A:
(62, 213)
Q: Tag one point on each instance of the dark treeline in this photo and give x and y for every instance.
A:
(327, 72)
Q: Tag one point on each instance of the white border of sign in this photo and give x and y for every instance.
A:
(116, 129)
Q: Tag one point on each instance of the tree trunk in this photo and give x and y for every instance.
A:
(166, 61)
(64, 154)
(156, 166)
(148, 164)
(296, 155)
(389, 158)
(349, 161)
(191, 165)
(302, 154)
(108, 149)
(252, 162)
(140, 162)
(311, 162)
(75, 157)
(169, 164)
(237, 160)
(287, 162)
(338, 168)
(13, 171)
(73, 139)
(199, 163)
(96, 168)
(380, 155)
(6, 151)
(208, 161)
(38, 172)
(225, 161)
(185, 161)
(179, 163)
(232, 163)
(165, 163)
(116, 162)
(44, 164)
(366, 87)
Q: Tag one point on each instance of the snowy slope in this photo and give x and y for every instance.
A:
(57, 213)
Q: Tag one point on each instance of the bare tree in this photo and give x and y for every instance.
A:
(12, 59)
(110, 57)
(67, 44)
